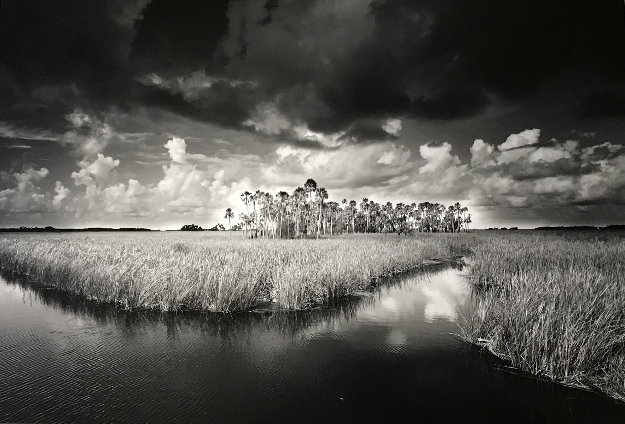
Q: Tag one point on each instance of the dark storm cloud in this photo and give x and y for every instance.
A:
(59, 55)
(179, 37)
(522, 171)
(604, 103)
(59, 42)
(434, 60)
(329, 65)
(368, 131)
(448, 54)
(55, 56)
(224, 104)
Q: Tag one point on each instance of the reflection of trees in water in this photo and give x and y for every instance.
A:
(211, 323)
(216, 323)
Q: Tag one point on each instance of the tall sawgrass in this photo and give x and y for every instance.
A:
(176, 271)
(553, 305)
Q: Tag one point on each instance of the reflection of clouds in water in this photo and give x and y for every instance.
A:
(397, 338)
(444, 296)
(10, 292)
(394, 304)
(389, 303)
(431, 296)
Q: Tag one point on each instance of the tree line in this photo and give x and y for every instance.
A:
(307, 213)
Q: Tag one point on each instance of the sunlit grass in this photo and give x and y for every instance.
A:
(217, 273)
(553, 305)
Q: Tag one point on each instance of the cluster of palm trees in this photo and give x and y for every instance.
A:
(308, 213)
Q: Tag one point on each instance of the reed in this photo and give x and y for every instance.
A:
(187, 271)
(553, 305)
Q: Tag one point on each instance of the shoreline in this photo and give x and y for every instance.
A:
(12, 278)
(550, 307)
(591, 388)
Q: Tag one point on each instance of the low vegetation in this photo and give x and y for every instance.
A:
(217, 273)
(553, 304)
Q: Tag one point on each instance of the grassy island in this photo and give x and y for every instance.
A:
(215, 273)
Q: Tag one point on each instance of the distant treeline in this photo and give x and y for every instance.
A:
(49, 229)
(568, 228)
(193, 227)
(584, 228)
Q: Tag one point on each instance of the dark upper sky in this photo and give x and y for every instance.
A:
(159, 112)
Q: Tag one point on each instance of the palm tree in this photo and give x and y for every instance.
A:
(410, 213)
(245, 197)
(299, 198)
(400, 217)
(464, 217)
(416, 218)
(374, 213)
(229, 214)
(282, 196)
(458, 209)
(344, 202)
(311, 187)
(440, 216)
(352, 207)
(449, 218)
(322, 194)
(333, 208)
(365, 210)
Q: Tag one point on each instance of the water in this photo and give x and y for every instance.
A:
(392, 355)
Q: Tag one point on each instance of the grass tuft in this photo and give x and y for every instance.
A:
(553, 305)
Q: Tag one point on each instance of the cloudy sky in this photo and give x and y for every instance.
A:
(159, 113)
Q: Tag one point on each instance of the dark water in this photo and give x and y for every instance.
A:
(387, 357)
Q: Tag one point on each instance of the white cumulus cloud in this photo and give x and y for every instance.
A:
(437, 157)
(524, 138)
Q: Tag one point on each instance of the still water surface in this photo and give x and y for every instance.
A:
(389, 356)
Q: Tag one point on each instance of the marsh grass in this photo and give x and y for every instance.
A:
(174, 271)
(553, 305)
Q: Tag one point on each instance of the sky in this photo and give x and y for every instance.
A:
(153, 113)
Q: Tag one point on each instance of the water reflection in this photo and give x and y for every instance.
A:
(371, 358)
(392, 299)
(444, 298)
(217, 324)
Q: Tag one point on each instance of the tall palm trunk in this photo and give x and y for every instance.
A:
(296, 218)
(319, 218)
(247, 208)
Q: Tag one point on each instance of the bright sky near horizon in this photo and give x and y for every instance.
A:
(153, 113)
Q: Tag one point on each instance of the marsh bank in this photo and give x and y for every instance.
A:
(391, 355)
